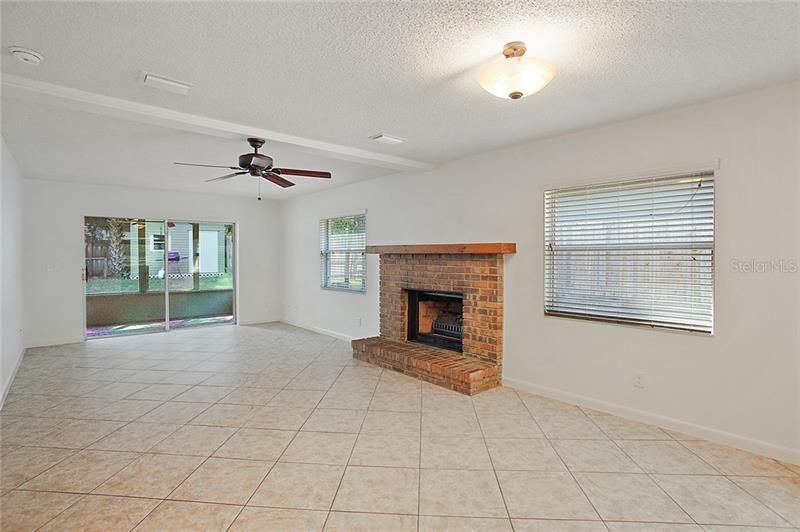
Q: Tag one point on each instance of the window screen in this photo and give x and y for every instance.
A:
(639, 252)
(343, 258)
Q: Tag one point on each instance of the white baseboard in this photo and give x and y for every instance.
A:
(778, 452)
(326, 332)
(55, 341)
(256, 322)
(7, 385)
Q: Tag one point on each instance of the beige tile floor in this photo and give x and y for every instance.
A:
(276, 428)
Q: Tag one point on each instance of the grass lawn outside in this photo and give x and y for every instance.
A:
(338, 283)
(101, 285)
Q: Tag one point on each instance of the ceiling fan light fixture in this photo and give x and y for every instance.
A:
(516, 76)
(259, 165)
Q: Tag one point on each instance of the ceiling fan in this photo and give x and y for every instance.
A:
(260, 165)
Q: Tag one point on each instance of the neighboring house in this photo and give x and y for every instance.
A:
(214, 256)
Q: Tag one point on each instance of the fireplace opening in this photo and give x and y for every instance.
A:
(436, 318)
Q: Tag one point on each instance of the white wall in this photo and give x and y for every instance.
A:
(739, 386)
(11, 308)
(54, 253)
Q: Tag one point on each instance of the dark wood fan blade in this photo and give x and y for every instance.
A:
(278, 180)
(210, 166)
(304, 173)
(225, 176)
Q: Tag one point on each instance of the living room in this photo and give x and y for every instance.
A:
(542, 272)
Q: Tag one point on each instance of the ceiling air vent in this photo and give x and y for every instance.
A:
(149, 79)
(387, 139)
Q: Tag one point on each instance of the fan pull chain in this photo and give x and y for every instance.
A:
(259, 189)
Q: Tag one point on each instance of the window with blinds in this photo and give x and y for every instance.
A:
(637, 252)
(343, 257)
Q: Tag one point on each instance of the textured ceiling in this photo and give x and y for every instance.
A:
(340, 72)
(65, 145)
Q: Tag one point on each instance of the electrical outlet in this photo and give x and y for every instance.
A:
(639, 381)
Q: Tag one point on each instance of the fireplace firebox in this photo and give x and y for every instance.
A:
(436, 318)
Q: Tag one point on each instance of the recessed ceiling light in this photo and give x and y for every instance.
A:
(26, 55)
(516, 76)
(387, 139)
(155, 81)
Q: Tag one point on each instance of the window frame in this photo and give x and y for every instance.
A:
(154, 243)
(326, 253)
(710, 171)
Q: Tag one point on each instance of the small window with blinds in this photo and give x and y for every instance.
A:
(635, 252)
(343, 257)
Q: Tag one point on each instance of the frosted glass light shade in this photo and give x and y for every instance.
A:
(516, 77)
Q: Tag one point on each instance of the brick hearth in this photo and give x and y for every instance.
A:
(432, 364)
(474, 270)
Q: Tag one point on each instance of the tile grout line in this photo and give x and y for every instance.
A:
(251, 358)
(86, 448)
(762, 502)
(419, 460)
(566, 467)
(140, 454)
(491, 461)
(205, 459)
(720, 475)
(352, 449)
(83, 495)
(650, 476)
(277, 460)
(727, 476)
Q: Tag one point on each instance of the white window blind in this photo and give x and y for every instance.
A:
(343, 258)
(639, 252)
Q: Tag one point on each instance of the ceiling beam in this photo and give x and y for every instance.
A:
(59, 95)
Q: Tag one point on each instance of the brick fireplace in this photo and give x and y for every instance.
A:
(441, 314)
(436, 318)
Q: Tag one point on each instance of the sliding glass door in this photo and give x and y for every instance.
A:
(125, 289)
(200, 259)
(152, 275)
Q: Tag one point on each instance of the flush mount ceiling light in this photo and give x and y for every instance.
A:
(26, 55)
(516, 76)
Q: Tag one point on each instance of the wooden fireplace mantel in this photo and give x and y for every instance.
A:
(483, 248)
